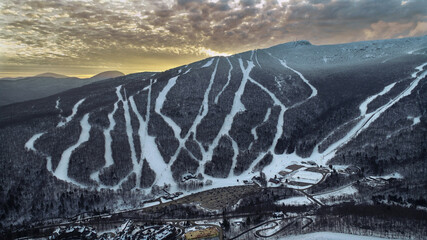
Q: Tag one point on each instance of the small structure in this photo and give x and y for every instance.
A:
(210, 233)
(274, 180)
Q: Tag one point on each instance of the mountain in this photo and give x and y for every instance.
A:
(219, 121)
(43, 85)
(51, 75)
(106, 75)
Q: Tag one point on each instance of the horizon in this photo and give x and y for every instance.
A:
(82, 38)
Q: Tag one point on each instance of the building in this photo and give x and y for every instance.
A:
(210, 233)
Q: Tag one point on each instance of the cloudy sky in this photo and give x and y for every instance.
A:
(82, 38)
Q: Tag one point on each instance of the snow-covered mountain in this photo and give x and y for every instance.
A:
(227, 118)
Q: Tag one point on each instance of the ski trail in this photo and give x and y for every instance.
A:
(58, 101)
(256, 58)
(29, 145)
(142, 133)
(151, 152)
(129, 133)
(367, 119)
(69, 118)
(313, 89)
(159, 105)
(203, 111)
(228, 121)
(208, 63)
(187, 71)
(61, 171)
(108, 153)
(161, 98)
(235, 154)
(364, 106)
(253, 131)
(280, 121)
(228, 82)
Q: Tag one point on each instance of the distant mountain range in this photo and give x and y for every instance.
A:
(21, 89)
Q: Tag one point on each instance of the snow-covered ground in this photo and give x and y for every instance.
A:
(386, 177)
(29, 145)
(307, 177)
(341, 192)
(294, 201)
(61, 171)
(330, 236)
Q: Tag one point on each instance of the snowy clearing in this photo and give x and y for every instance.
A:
(294, 201)
(307, 177)
(346, 191)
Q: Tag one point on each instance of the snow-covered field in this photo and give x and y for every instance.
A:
(295, 201)
(349, 190)
(307, 177)
(330, 236)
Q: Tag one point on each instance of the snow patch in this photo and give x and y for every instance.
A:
(208, 63)
(294, 201)
(29, 145)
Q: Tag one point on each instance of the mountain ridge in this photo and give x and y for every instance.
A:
(224, 119)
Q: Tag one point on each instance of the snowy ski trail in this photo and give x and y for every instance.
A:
(29, 145)
(367, 119)
(228, 121)
(203, 111)
(208, 63)
(129, 133)
(228, 82)
(61, 171)
(108, 153)
(161, 98)
(57, 107)
(69, 118)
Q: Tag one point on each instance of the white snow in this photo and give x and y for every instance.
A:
(108, 154)
(228, 81)
(295, 201)
(61, 171)
(149, 149)
(306, 177)
(415, 120)
(364, 106)
(395, 175)
(29, 145)
(57, 105)
(69, 118)
(367, 119)
(208, 63)
(136, 168)
(159, 105)
(187, 71)
(330, 236)
(313, 89)
(228, 121)
(253, 131)
(346, 191)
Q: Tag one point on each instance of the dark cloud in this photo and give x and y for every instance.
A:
(129, 33)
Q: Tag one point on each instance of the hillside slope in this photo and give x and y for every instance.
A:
(222, 119)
